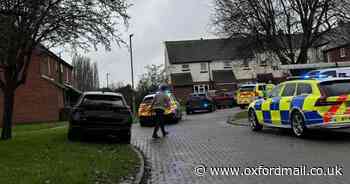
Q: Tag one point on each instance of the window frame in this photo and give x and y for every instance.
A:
(204, 67)
(185, 67)
(342, 52)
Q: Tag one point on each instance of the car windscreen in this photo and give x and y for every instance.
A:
(246, 88)
(102, 100)
(148, 100)
(335, 88)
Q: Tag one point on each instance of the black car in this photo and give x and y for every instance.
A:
(100, 113)
(199, 102)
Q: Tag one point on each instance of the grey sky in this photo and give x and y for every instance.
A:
(153, 22)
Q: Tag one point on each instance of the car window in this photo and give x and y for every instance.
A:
(289, 89)
(276, 91)
(331, 73)
(262, 87)
(335, 88)
(246, 88)
(304, 88)
(102, 100)
(148, 100)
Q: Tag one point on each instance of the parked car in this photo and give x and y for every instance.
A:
(329, 72)
(304, 104)
(100, 113)
(199, 102)
(146, 116)
(222, 98)
(247, 93)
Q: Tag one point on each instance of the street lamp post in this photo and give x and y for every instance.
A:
(132, 75)
(107, 79)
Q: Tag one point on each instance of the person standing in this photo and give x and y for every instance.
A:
(160, 103)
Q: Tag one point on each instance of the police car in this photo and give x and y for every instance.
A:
(304, 104)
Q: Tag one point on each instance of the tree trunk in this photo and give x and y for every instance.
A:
(302, 59)
(9, 97)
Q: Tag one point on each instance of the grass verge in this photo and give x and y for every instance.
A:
(42, 154)
(241, 115)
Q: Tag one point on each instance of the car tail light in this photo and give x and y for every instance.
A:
(322, 101)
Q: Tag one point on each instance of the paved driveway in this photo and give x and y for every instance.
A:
(208, 139)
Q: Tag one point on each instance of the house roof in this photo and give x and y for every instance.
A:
(224, 76)
(181, 79)
(190, 51)
(42, 49)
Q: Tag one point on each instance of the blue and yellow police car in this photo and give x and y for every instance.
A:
(304, 104)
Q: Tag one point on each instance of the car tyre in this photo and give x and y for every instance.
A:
(242, 106)
(188, 112)
(298, 125)
(253, 121)
(74, 135)
(125, 137)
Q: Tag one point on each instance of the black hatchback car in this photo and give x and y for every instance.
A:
(100, 113)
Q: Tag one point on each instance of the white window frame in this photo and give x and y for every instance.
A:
(227, 64)
(204, 67)
(48, 66)
(185, 67)
(201, 88)
(342, 52)
(67, 75)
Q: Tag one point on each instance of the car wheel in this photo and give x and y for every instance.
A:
(74, 135)
(188, 112)
(242, 106)
(253, 121)
(125, 137)
(298, 125)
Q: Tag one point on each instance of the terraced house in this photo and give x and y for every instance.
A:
(196, 66)
(48, 89)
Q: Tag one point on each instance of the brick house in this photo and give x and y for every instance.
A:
(48, 89)
(339, 54)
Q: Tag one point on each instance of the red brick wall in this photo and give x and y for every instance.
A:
(182, 92)
(334, 55)
(39, 100)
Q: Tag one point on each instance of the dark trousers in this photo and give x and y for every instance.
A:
(159, 121)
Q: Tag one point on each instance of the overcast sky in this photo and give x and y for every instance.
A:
(153, 22)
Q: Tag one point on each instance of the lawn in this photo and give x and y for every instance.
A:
(241, 115)
(42, 154)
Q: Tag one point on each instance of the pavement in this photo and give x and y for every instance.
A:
(207, 139)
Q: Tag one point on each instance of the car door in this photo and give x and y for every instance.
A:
(285, 102)
(270, 103)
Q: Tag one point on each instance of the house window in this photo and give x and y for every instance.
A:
(186, 67)
(48, 66)
(227, 64)
(342, 52)
(67, 75)
(201, 89)
(263, 62)
(204, 67)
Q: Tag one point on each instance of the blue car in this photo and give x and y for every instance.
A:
(199, 102)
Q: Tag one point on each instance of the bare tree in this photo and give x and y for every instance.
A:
(288, 28)
(26, 23)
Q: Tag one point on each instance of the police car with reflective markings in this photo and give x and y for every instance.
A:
(304, 104)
